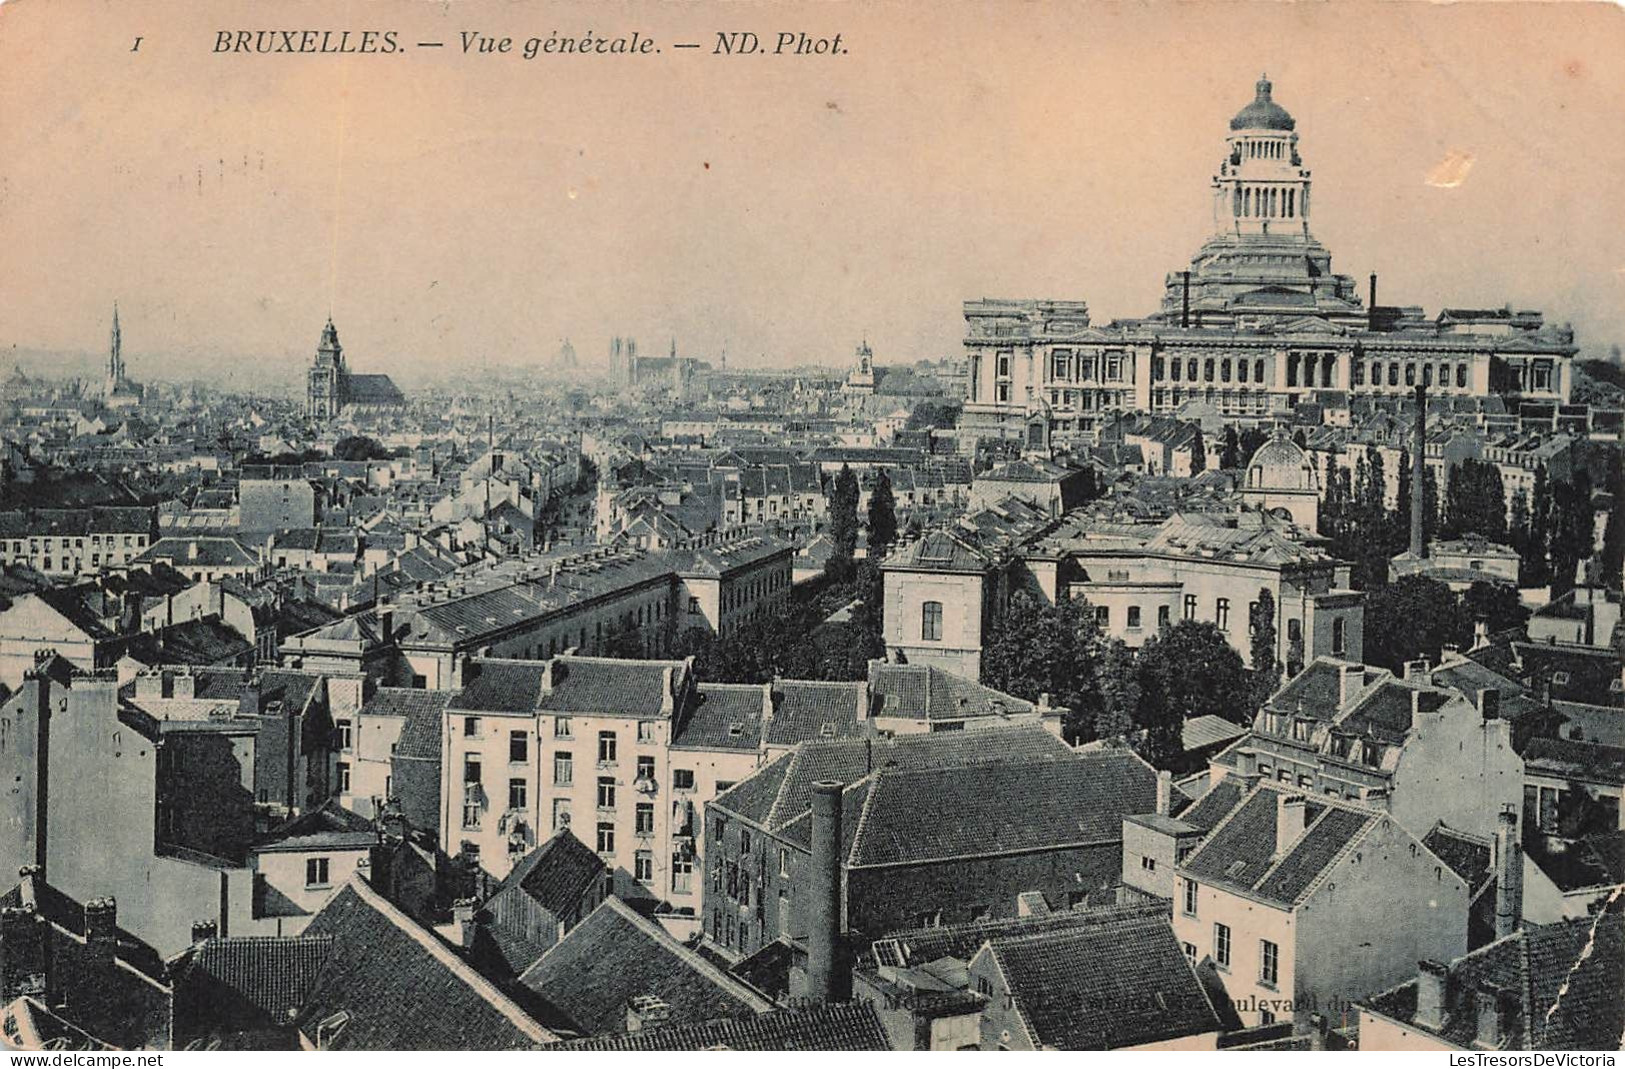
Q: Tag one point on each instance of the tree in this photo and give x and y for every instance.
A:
(1266, 666)
(1197, 672)
(1198, 452)
(358, 447)
(1230, 458)
(1537, 569)
(882, 516)
(1613, 535)
(1474, 501)
(843, 522)
(1496, 604)
(1119, 692)
(1573, 529)
(1409, 619)
(1036, 648)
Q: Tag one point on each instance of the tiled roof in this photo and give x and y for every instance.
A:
(329, 826)
(924, 692)
(502, 687)
(1200, 732)
(420, 735)
(615, 955)
(808, 709)
(852, 1026)
(1468, 856)
(272, 974)
(997, 808)
(1241, 850)
(1590, 762)
(1104, 986)
(726, 716)
(919, 946)
(1206, 812)
(394, 986)
(605, 685)
(557, 874)
(1565, 979)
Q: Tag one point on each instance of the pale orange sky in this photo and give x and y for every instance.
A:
(458, 208)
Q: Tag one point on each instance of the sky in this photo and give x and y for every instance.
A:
(455, 210)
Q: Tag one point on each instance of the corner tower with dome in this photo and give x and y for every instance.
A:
(1281, 476)
(1256, 324)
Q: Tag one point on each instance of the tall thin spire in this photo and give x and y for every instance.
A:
(115, 352)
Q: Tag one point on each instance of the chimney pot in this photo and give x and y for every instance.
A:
(1291, 817)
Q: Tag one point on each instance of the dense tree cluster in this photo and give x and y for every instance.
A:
(1417, 617)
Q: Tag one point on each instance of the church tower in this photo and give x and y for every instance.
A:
(328, 376)
(115, 356)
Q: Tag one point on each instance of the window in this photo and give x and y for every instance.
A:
(1134, 617)
(1190, 952)
(646, 767)
(784, 862)
(1269, 962)
(931, 621)
(1294, 630)
(646, 731)
(561, 813)
(646, 818)
(682, 874)
(316, 872)
(518, 747)
(561, 728)
(694, 605)
(563, 770)
(471, 768)
(1221, 945)
(517, 794)
(1103, 616)
(606, 747)
(345, 733)
(1339, 635)
(1163, 614)
(1149, 864)
(1190, 606)
(606, 792)
(643, 866)
(1190, 898)
(606, 837)
(682, 779)
(744, 842)
(344, 777)
(1221, 613)
(471, 727)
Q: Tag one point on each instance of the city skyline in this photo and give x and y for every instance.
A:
(485, 212)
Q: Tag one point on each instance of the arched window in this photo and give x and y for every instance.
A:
(1393, 374)
(1258, 370)
(1207, 370)
(1241, 371)
(1190, 369)
(1461, 375)
(1410, 374)
(1224, 371)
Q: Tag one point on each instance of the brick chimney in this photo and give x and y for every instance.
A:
(1350, 678)
(1508, 873)
(1165, 793)
(462, 915)
(827, 981)
(1491, 1018)
(1247, 768)
(646, 1011)
(1432, 983)
(203, 931)
(29, 880)
(1291, 817)
(1419, 546)
(1489, 703)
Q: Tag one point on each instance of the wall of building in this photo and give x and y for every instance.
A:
(283, 892)
(1457, 768)
(964, 611)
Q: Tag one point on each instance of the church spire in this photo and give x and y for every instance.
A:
(115, 352)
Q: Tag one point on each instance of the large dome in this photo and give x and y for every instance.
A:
(1263, 113)
(1280, 464)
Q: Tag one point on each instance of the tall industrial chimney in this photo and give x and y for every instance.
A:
(1185, 307)
(1371, 305)
(827, 980)
(1508, 874)
(1419, 546)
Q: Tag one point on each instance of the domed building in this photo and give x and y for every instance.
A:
(1282, 476)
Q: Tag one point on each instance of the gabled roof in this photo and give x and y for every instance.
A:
(389, 984)
(327, 827)
(925, 692)
(1241, 852)
(557, 874)
(264, 977)
(615, 955)
(806, 709)
(1104, 986)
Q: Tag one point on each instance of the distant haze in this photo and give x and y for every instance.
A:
(457, 211)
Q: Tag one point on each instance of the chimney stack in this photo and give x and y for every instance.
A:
(1350, 678)
(30, 877)
(1371, 305)
(1489, 703)
(101, 930)
(203, 931)
(1432, 978)
(1508, 874)
(1247, 768)
(23, 950)
(646, 1011)
(1419, 547)
(1165, 793)
(462, 915)
(825, 979)
(1185, 306)
(1291, 817)
(1491, 1023)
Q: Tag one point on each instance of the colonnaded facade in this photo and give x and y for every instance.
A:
(1257, 324)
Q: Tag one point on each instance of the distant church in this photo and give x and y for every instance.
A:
(118, 391)
(629, 370)
(333, 390)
